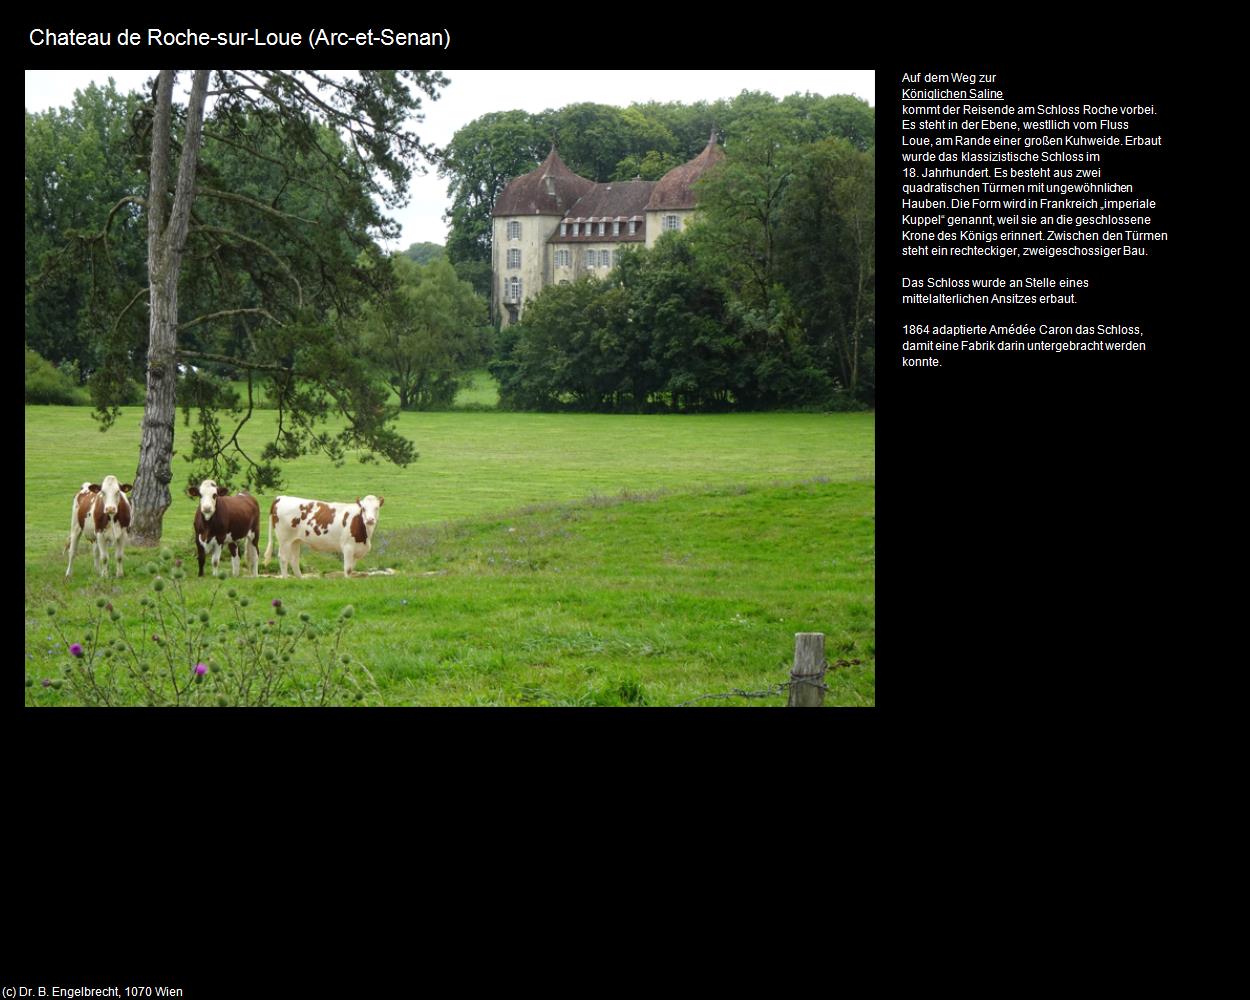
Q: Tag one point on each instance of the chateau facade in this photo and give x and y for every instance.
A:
(551, 226)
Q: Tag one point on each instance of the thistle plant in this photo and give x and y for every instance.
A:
(222, 653)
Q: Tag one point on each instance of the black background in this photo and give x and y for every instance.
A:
(1023, 500)
(1028, 511)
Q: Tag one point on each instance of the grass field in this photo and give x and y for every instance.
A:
(539, 559)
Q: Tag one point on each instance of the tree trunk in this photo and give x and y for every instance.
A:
(166, 241)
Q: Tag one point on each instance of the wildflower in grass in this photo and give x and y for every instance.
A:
(201, 669)
(46, 683)
(75, 649)
(276, 602)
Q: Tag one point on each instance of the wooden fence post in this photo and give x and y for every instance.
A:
(809, 664)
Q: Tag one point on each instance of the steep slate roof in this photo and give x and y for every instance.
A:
(610, 201)
(673, 189)
(527, 194)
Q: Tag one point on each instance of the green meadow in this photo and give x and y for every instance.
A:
(537, 559)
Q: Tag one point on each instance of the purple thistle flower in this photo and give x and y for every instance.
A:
(75, 649)
(276, 602)
(46, 683)
(200, 668)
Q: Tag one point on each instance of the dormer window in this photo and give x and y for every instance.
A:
(616, 227)
(601, 225)
(514, 230)
(633, 227)
(564, 229)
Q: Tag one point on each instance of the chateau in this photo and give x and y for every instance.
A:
(551, 226)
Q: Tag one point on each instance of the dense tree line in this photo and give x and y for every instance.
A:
(80, 165)
(766, 301)
(606, 143)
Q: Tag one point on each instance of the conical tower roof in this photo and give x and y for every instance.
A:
(673, 190)
(549, 189)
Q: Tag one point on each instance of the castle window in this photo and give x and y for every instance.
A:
(671, 223)
(601, 226)
(616, 228)
(512, 290)
(563, 258)
(514, 230)
(633, 226)
(564, 229)
(514, 258)
(591, 258)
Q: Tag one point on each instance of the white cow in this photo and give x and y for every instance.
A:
(102, 513)
(323, 527)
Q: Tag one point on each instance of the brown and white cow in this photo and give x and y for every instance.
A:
(102, 513)
(222, 520)
(324, 527)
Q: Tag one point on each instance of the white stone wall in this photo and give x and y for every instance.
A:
(655, 223)
(577, 266)
(535, 266)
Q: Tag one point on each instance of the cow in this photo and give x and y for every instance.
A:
(223, 521)
(102, 513)
(324, 527)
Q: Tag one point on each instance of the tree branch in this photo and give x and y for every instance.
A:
(225, 359)
(228, 312)
(299, 289)
(260, 205)
(145, 290)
